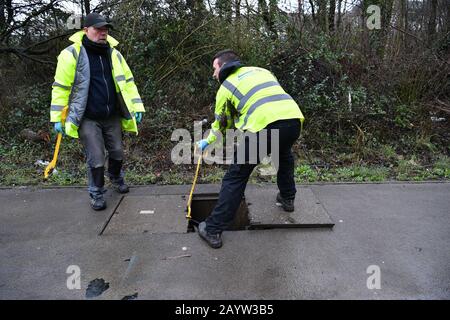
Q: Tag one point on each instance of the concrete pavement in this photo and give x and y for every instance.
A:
(403, 229)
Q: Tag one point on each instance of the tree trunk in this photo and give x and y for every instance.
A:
(9, 11)
(198, 7)
(313, 10)
(432, 20)
(331, 14)
(55, 18)
(378, 38)
(300, 9)
(249, 11)
(447, 2)
(338, 22)
(264, 11)
(2, 15)
(237, 9)
(224, 9)
(273, 12)
(404, 13)
(87, 7)
(299, 18)
(322, 14)
(396, 39)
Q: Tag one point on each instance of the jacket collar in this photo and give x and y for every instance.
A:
(77, 37)
(227, 69)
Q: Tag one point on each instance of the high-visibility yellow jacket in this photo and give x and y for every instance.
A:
(250, 98)
(71, 86)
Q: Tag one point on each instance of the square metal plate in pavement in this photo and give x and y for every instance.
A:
(149, 214)
(264, 213)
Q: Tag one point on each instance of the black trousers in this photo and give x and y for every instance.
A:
(236, 178)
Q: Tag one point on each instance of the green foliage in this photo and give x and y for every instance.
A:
(211, 176)
(31, 110)
(387, 152)
(404, 116)
(361, 173)
(63, 177)
(141, 178)
(304, 173)
(363, 112)
(441, 167)
(411, 169)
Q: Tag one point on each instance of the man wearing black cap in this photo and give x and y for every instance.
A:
(94, 80)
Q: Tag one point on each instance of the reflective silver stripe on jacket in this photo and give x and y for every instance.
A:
(119, 56)
(72, 50)
(234, 91)
(136, 100)
(130, 79)
(57, 84)
(120, 78)
(55, 107)
(252, 91)
(262, 101)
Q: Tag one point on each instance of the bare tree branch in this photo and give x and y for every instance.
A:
(32, 15)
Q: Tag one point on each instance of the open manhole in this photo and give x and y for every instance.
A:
(166, 213)
(203, 204)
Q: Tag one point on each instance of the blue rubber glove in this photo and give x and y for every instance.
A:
(59, 127)
(138, 116)
(202, 144)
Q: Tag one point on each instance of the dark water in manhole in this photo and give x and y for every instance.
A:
(203, 204)
(96, 287)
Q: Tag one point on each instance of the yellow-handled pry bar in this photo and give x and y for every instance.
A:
(188, 216)
(52, 164)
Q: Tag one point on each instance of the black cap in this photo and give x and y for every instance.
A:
(96, 20)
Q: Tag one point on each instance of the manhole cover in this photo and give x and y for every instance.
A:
(265, 214)
(149, 214)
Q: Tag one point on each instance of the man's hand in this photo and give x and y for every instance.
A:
(138, 116)
(59, 128)
(202, 144)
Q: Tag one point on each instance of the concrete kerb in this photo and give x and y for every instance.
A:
(305, 184)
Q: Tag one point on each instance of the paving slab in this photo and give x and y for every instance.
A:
(34, 213)
(264, 213)
(152, 214)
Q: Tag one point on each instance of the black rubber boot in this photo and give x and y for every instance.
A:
(96, 193)
(116, 175)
